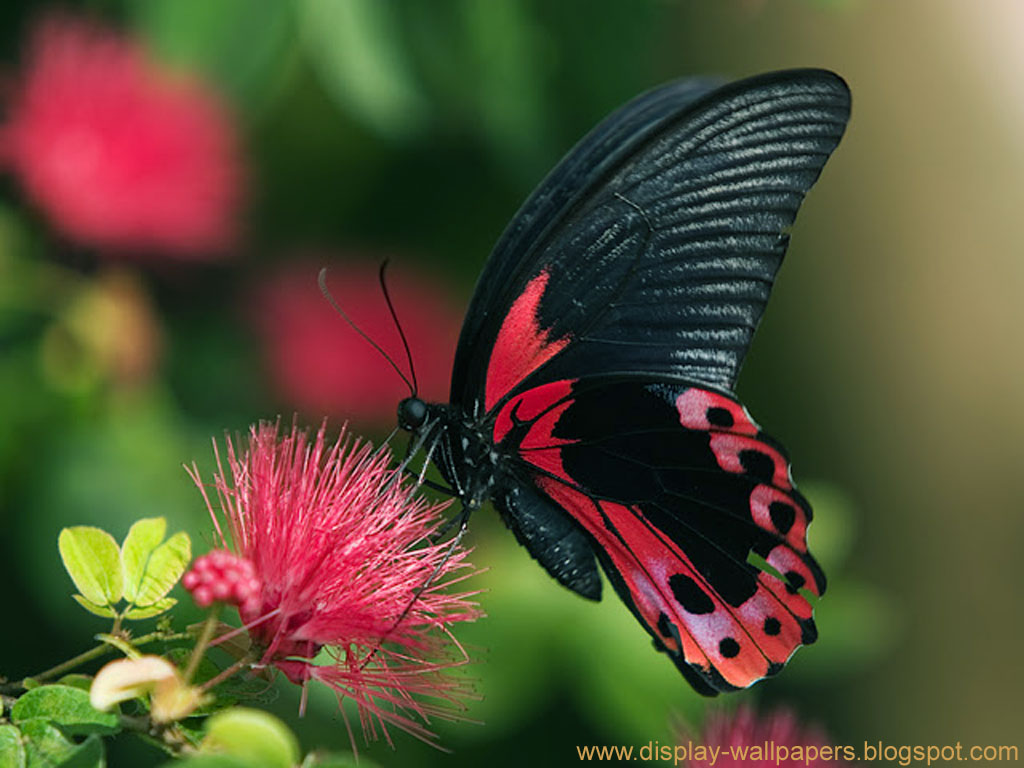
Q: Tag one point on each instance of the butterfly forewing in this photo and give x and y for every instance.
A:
(660, 257)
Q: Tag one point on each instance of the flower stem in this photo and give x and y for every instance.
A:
(204, 640)
(238, 666)
(89, 655)
(170, 737)
(92, 653)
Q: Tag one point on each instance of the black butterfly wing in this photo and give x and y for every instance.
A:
(689, 507)
(653, 245)
(637, 274)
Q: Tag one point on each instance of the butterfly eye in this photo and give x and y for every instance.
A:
(412, 412)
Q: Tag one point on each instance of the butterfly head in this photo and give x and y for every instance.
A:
(412, 414)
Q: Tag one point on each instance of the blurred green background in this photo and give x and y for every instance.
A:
(889, 362)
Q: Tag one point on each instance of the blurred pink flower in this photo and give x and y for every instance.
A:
(120, 154)
(319, 365)
(777, 739)
(342, 560)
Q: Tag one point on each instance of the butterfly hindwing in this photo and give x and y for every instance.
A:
(678, 491)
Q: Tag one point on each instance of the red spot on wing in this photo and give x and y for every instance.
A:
(694, 406)
(761, 499)
(728, 448)
(522, 346)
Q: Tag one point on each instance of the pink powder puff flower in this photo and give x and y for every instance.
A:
(776, 739)
(342, 561)
(320, 366)
(120, 154)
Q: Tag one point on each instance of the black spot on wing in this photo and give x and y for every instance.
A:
(757, 464)
(729, 648)
(689, 594)
(719, 417)
(783, 516)
(795, 582)
(772, 626)
(808, 631)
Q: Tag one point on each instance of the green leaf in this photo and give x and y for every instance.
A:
(12, 753)
(256, 737)
(45, 745)
(88, 754)
(67, 707)
(91, 607)
(75, 680)
(165, 566)
(358, 50)
(143, 537)
(243, 52)
(93, 560)
(151, 610)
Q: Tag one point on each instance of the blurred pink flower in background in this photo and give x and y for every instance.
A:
(776, 739)
(319, 365)
(326, 547)
(121, 155)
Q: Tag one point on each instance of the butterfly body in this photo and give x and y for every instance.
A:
(592, 393)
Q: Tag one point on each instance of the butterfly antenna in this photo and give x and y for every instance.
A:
(322, 282)
(398, 325)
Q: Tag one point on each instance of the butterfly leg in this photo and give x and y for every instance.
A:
(439, 487)
(461, 520)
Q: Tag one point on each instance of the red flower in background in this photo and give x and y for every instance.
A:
(319, 365)
(120, 154)
(327, 547)
(776, 739)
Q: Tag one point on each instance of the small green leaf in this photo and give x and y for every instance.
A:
(91, 607)
(143, 537)
(93, 560)
(151, 610)
(88, 754)
(45, 745)
(252, 735)
(75, 680)
(12, 753)
(67, 707)
(165, 566)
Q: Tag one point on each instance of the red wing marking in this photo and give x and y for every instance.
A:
(521, 346)
(540, 408)
(709, 411)
(775, 510)
(647, 596)
(744, 644)
(529, 405)
(735, 453)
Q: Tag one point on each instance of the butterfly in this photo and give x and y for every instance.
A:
(592, 395)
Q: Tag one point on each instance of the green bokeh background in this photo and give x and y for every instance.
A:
(889, 361)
